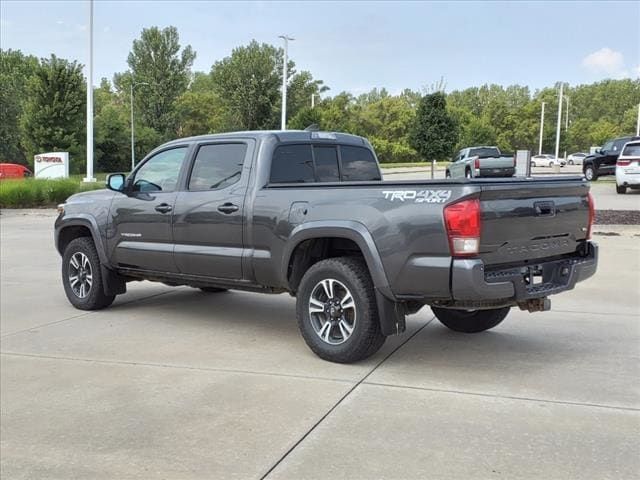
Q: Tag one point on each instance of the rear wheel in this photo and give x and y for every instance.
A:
(337, 312)
(590, 173)
(621, 189)
(447, 174)
(533, 164)
(467, 174)
(570, 162)
(470, 321)
(82, 277)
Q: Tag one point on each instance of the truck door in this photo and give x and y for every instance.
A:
(139, 232)
(208, 218)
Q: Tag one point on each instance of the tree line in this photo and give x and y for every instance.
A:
(42, 102)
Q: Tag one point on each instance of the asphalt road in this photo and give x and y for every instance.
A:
(173, 383)
(604, 190)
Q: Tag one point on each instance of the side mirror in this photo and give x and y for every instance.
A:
(599, 151)
(115, 182)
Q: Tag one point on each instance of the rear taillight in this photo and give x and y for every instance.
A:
(462, 220)
(623, 163)
(476, 163)
(592, 215)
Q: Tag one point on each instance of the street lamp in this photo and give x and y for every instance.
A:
(313, 99)
(133, 151)
(566, 122)
(283, 121)
(541, 128)
(559, 124)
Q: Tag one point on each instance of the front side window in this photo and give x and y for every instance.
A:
(292, 164)
(358, 165)
(217, 166)
(326, 164)
(607, 146)
(160, 173)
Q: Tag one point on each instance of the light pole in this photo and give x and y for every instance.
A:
(313, 100)
(559, 120)
(638, 122)
(566, 121)
(283, 122)
(133, 150)
(541, 128)
(89, 177)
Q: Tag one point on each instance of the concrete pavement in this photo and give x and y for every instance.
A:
(175, 383)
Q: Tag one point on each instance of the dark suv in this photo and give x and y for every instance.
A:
(603, 161)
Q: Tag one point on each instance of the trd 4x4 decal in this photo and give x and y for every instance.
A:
(418, 196)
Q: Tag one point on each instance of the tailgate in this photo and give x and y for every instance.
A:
(532, 220)
(496, 162)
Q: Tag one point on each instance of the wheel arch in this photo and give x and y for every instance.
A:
(81, 226)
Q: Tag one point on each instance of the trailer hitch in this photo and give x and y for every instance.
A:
(536, 305)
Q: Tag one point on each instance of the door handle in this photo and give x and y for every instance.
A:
(228, 208)
(163, 208)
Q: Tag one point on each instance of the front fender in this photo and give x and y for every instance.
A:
(82, 220)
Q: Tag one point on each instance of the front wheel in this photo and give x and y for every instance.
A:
(621, 189)
(590, 173)
(337, 312)
(470, 321)
(570, 162)
(82, 277)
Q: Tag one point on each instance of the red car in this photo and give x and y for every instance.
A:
(13, 170)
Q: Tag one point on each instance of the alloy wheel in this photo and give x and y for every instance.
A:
(80, 275)
(332, 311)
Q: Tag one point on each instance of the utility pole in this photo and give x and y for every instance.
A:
(566, 123)
(89, 177)
(133, 144)
(541, 128)
(638, 122)
(559, 120)
(313, 100)
(283, 122)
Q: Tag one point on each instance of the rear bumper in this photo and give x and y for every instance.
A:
(627, 179)
(495, 172)
(470, 282)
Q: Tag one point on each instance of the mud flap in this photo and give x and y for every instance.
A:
(392, 315)
(112, 283)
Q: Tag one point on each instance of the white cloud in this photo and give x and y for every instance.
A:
(606, 61)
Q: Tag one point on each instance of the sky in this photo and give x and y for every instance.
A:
(356, 46)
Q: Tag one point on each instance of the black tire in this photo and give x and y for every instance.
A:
(366, 337)
(570, 162)
(447, 174)
(94, 297)
(467, 174)
(470, 321)
(590, 173)
(621, 189)
(213, 289)
(533, 164)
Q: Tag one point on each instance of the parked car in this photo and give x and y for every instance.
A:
(13, 170)
(307, 213)
(546, 160)
(474, 162)
(576, 158)
(603, 162)
(628, 167)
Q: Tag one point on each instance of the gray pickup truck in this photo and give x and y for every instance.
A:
(308, 213)
(475, 162)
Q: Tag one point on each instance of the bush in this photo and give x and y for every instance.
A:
(31, 192)
(394, 152)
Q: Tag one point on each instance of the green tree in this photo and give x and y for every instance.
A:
(54, 113)
(248, 83)
(435, 132)
(158, 60)
(16, 71)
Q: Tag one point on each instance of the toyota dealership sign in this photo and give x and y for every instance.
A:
(51, 165)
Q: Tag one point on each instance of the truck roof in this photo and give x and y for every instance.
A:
(281, 135)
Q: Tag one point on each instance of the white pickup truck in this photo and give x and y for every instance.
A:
(474, 162)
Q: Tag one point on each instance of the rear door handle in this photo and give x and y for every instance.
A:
(228, 208)
(163, 208)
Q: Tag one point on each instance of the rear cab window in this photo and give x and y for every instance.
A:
(308, 163)
(631, 150)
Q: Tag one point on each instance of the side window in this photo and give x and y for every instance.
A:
(160, 172)
(607, 146)
(292, 164)
(617, 146)
(358, 165)
(326, 164)
(217, 166)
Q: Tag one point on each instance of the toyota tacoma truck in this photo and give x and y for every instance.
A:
(474, 162)
(308, 213)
